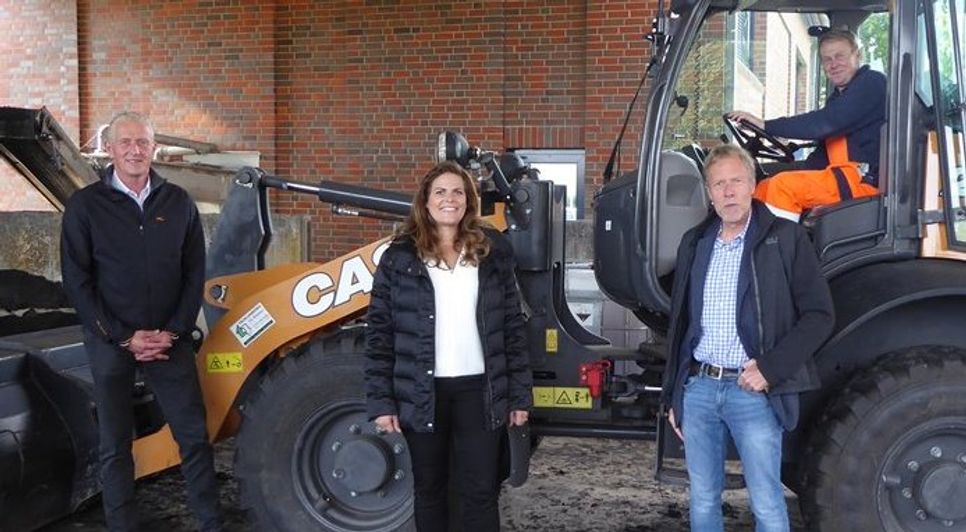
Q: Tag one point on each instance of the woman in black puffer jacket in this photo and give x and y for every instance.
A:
(446, 349)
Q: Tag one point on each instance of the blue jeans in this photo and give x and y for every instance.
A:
(712, 409)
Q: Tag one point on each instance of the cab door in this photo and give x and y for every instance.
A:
(943, 28)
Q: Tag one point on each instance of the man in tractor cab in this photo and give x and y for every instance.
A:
(846, 166)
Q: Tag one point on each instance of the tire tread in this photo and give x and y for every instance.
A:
(835, 432)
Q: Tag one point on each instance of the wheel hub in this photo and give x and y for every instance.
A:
(923, 478)
(349, 476)
(942, 490)
(363, 465)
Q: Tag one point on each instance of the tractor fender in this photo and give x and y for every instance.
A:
(883, 308)
(267, 315)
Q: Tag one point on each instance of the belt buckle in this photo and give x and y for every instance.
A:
(713, 371)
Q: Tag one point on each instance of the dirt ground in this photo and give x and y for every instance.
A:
(575, 485)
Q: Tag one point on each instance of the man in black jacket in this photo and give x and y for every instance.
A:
(749, 309)
(133, 262)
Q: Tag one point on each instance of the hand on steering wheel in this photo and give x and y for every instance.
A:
(758, 142)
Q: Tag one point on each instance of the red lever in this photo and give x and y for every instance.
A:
(593, 375)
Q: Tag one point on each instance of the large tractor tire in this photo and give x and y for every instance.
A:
(890, 453)
(308, 459)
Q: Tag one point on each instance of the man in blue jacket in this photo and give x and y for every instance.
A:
(749, 307)
(133, 263)
(846, 164)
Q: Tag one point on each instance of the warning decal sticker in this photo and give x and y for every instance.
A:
(255, 322)
(551, 341)
(224, 363)
(562, 397)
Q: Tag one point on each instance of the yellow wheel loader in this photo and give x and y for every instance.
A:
(881, 446)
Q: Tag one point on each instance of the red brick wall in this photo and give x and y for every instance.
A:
(201, 69)
(356, 90)
(38, 59)
(545, 74)
(365, 87)
(617, 56)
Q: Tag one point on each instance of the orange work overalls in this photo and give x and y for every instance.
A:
(797, 190)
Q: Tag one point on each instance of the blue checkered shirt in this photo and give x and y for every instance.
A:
(719, 344)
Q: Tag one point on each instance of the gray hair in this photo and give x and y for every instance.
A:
(839, 35)
(725, 151)
(127, 117)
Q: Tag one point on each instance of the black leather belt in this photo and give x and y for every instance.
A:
(715, 372)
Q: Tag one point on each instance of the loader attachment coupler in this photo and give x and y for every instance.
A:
(244, 228)
(242, 235)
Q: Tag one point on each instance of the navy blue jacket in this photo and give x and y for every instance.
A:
(126, 269)
(784, 308)
(857, 112)
(401, 338)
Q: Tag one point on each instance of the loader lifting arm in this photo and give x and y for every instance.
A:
(341, 194)
(244, 229)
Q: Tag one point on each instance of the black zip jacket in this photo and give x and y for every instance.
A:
(857, 112)
(125, 269)
(400, 338)
(784, 308)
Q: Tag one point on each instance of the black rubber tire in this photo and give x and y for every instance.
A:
(285, 452)
(868, 461)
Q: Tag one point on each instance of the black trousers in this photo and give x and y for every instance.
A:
(460, 431)
(175, 385)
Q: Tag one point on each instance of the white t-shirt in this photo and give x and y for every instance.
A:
(458, 348)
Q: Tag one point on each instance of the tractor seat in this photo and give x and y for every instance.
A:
(838, 229)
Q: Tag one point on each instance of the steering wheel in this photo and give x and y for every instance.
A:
(760, 143)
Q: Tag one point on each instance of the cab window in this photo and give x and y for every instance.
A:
(943, 91)
(761, 62)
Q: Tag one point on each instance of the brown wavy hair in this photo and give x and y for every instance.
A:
(421, 227)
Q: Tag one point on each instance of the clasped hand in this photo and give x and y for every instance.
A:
(149, 346)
